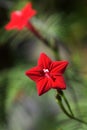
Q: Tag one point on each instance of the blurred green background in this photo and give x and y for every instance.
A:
(20, 106)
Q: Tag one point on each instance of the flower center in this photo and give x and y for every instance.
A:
(18, 13)
(46, 72)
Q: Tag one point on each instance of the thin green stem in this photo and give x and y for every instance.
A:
(37, 33)
(59, 101)
(40, 37)
(60, 92)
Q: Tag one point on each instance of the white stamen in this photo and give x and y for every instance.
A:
(45, 70)
(18, 12)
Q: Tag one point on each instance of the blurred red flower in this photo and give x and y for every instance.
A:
(48, 74)
(19, 19)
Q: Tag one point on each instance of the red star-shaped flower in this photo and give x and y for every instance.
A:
(19, 19)
(48, 74)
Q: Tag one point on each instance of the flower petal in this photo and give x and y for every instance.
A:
(59, 82)
(44, 85)
(27, 11)
(44, 61)
(10, 26)
(15, 15)
(34, 73)
(15, 20)
(58, 67)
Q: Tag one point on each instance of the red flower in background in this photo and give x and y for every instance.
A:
(48, 74)
(19, 19)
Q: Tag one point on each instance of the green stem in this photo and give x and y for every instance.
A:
(40, 37)
(53, 47)
(59, 100)
(60, 92)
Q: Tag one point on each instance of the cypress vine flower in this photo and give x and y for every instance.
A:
(48, 74)
(19, 19)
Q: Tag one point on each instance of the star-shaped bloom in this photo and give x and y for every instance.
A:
(48, 74)
(19, 19)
